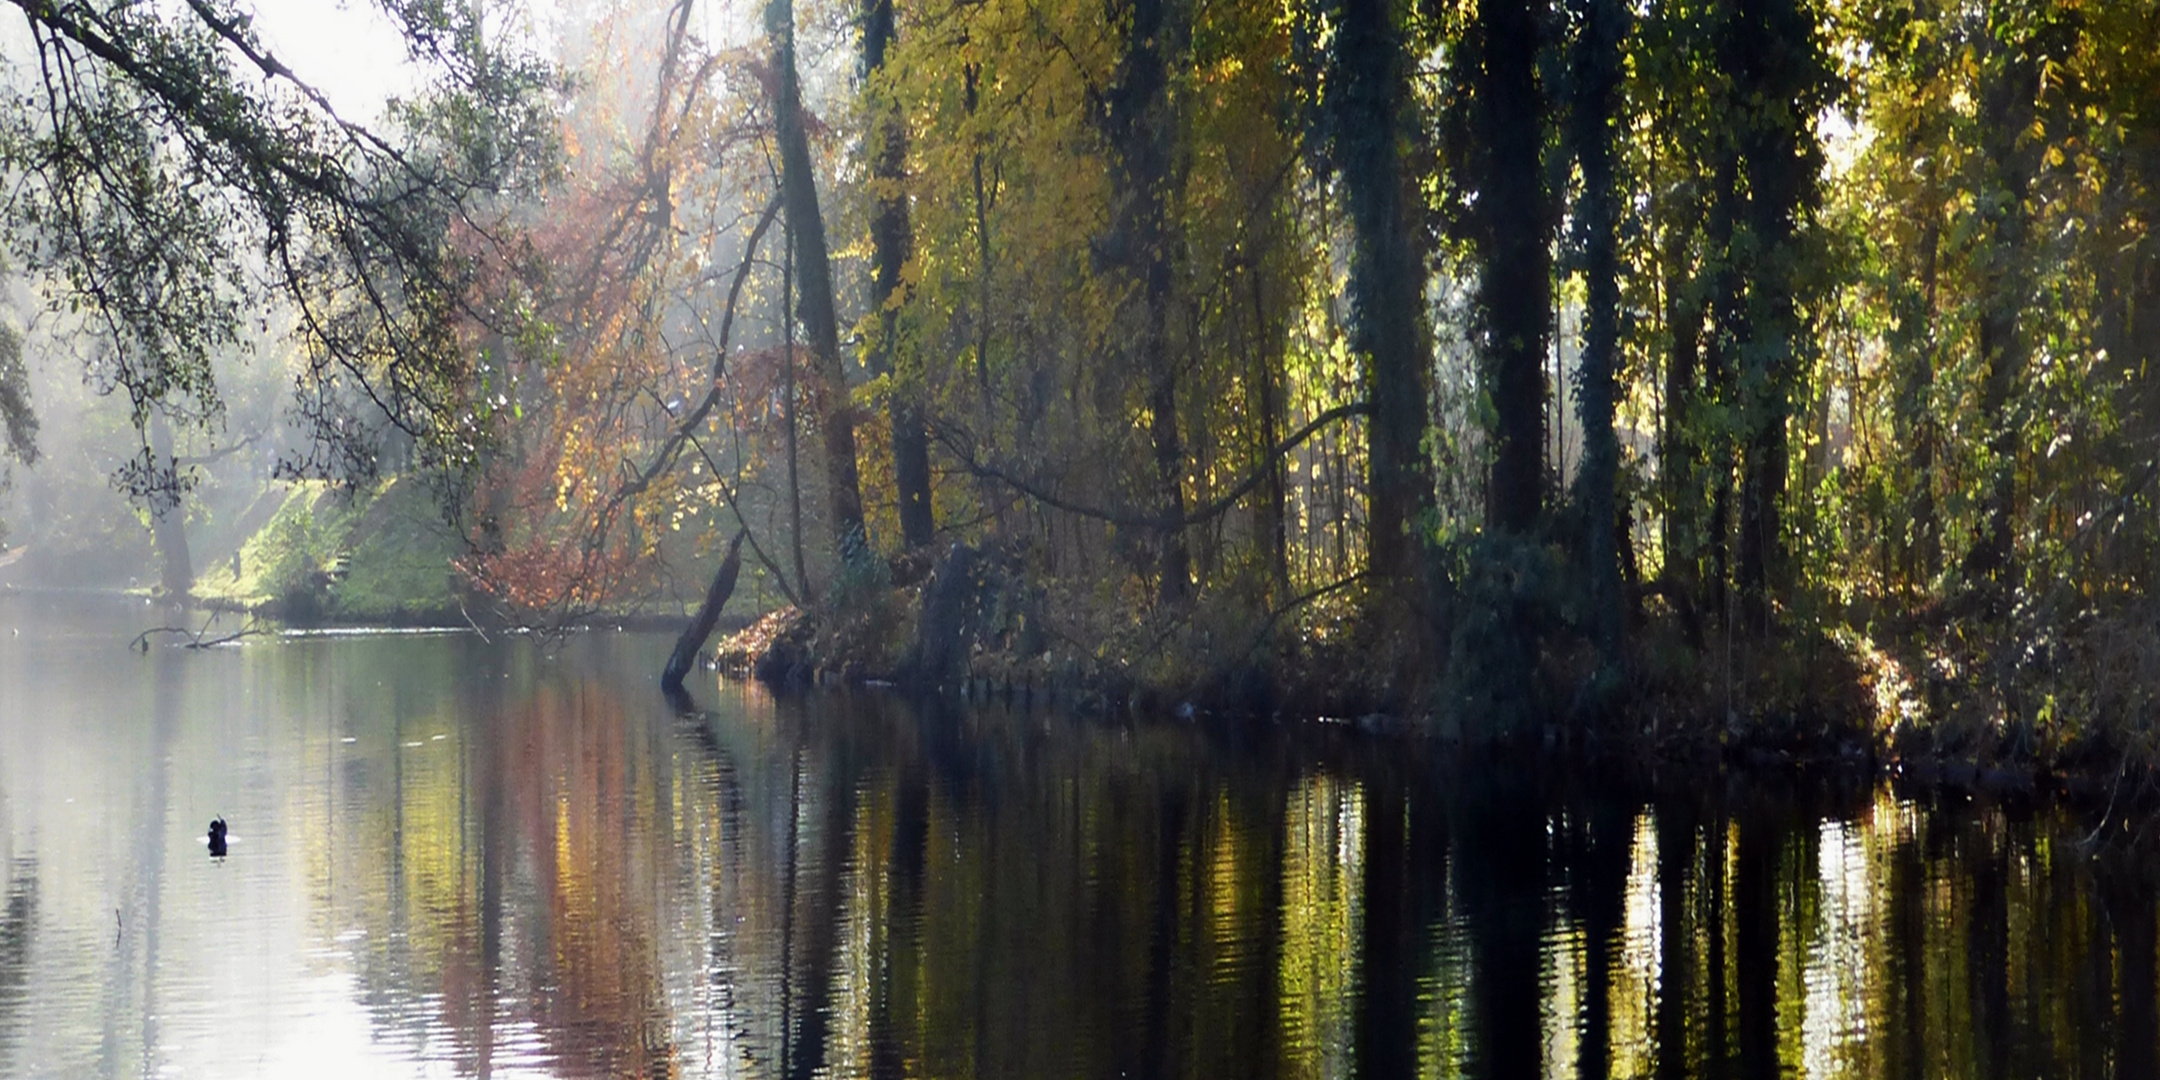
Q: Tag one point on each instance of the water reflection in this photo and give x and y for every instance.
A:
(474, 858)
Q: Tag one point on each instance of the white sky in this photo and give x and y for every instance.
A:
(348, 49)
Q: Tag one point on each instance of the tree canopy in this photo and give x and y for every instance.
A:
(1508, 337)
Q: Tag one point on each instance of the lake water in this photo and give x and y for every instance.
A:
(460, 857)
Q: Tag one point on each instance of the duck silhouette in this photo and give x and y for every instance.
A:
(217, 838)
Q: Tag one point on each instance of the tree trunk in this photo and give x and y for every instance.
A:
(1275, 517)
(1386, 278)
(2009, 89)
(791, 404)
(1597, 82)
(813, 266)
(971, 96)
(168, 514)
(891, 241)
(1777, 62)
(1137, 122)
(1729, 316)
(1515, 286)
(693, 636)
(1679, 455)
(1924, 556)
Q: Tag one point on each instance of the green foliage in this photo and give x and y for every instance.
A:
(288, 562)
(170, 178)
(376, 556)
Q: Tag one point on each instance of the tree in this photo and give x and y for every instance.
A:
(813, 269)
(163, 193)
(892, 242)
(1513, 230)
(1595, 78)
(168, 517)
(1780, 82)
(1140, 128)
(2010, 56)
(1387, 276)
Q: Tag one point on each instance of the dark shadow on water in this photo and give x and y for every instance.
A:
(1084, 896)
(18, 925)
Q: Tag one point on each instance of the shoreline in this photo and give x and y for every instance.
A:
(784, 651)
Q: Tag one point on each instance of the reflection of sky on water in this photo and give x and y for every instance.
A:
(465, 857)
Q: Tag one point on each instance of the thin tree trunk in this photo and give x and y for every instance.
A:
(168, 514)
(1926, 552)
(798, 192)
(1679, 456)
(1679, 467)
(971, 88)
(1274, 513)
(891, 241)
(1719, 383)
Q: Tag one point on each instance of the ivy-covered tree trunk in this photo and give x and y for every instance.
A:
(813, 271)
(2009, 89)
(1515, 285)
(1386, 277)
(1597, 83)
(1772, 160)
(1137, 121)
(1778, 72)
(1677, 189)
(891, 241)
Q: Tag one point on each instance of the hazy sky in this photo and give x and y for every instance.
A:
(346, 48)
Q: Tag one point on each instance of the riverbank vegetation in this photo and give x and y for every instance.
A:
(1761, 370)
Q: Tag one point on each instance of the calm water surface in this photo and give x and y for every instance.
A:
(456, 857)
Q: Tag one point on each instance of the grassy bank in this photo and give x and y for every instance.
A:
(380, 556)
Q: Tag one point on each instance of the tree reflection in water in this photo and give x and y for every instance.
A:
(507, 861)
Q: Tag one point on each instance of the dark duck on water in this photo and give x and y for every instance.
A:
(217, 838)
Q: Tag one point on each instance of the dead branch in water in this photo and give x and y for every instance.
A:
(195, 638)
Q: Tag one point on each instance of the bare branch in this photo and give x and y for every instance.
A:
(962, 448)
